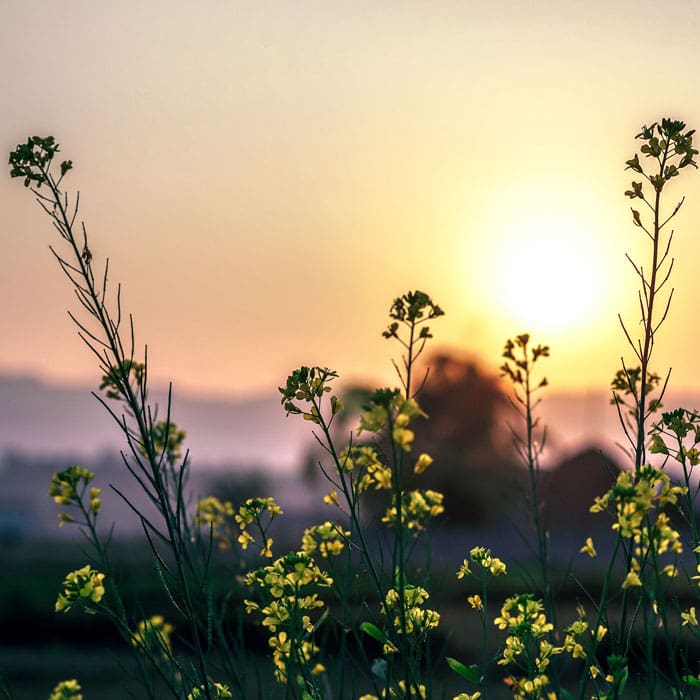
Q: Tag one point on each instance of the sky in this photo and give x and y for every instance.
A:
(265, 177)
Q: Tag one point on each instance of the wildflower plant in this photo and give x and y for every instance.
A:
(641, 499)
(351, 596)
(381, 464)
(153, 455)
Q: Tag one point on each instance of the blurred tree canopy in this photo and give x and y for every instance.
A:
(475, 464)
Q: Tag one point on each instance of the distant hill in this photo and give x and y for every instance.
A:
(38, 418)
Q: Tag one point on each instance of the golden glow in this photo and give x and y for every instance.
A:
(265, 183)
(546, 276)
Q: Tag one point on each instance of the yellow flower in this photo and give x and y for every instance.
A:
(244, 539)
(331, 498)
(250, 606)
(464, 570)
(403, 437)
(689, 618)
(632, 579)
(497, 567)
(671, 570)
(476, 602)
(216, 691)
(467, 696)
(67, 690)
(82, 584)
(424, 461)
(95, 500)
(589, 548)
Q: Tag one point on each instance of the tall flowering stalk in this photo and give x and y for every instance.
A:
(639, 499)
(520, 357)
(154, 445)
(667, 149)
(381, 464)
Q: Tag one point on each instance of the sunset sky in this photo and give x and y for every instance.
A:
(266, 177)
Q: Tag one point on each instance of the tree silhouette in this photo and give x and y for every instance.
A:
(475, 465)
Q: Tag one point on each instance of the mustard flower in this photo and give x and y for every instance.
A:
(83, 585)
(67, 690)
(68, 487)
(689, 618)
(631, 580)
(216, 514)
(332, 498)
(589, 548)
(464, 570)
(423, 462)
(65, 485)
(217, 691)
(327, 539)
(476, 602)
(483, 557)
(417, 508)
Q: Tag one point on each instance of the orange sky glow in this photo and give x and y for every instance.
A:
(266, 177)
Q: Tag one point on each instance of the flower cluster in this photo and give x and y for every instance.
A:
(152, 636)
(400, 691)
(526, 644)
(67, 690)
(217, 691)
(663, 142)
(367, 468)
(615, 678)
(82, 585)
(677, 426)
(416, 619)
(326, 539)
(217, 516)
(167, 440)
(309, 385)
(68, 488)
(482, 557)
(390, 408)
(417, 508)
(578, 635)
(259, 512)
(288, 588)
(412, 309)
(519, 359)
(32, 160)
(120, 380)
(635, 500)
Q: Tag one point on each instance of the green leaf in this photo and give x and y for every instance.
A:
(373, 631)
(471, 673)
(693, 681)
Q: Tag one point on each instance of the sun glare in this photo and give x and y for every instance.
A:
(547, 277)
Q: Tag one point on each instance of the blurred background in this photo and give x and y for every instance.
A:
(265, 178)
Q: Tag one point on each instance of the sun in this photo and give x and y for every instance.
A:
(546, 276)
